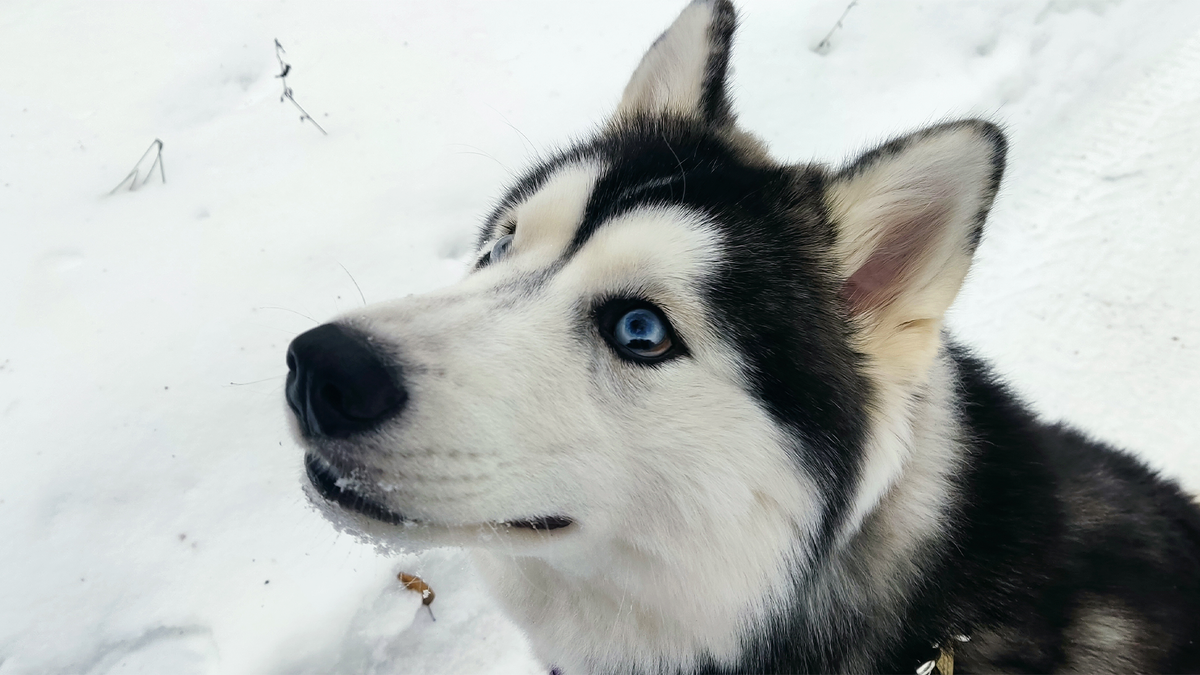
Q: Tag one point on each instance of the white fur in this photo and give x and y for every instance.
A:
(688, 532)
(876, 564)
(933, 189)
(545, 222)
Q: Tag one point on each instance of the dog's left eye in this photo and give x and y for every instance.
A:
(638, 331)
(500, 248)
(642, 332)
(497, 252)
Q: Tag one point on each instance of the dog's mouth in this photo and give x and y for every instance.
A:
(542, 523)
(340, 491)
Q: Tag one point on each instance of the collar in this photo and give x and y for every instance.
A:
(943, 663)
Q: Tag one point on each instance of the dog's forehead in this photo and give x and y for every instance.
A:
(561, 204)
(655, 249)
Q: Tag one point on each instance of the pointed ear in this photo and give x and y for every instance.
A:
(908, 217)
(685, 70)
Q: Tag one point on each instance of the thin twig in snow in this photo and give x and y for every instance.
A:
(284, 69)
(132, 176)
(824, 45)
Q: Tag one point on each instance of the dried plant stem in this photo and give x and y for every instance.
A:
(824, 45)
(284, 69)
(132, 177)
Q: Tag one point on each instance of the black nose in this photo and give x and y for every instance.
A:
(337, 385)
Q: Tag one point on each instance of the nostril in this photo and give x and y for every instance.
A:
(333, 398)
(365, 405)
(341, 385)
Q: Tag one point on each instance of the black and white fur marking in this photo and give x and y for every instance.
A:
(791, 468)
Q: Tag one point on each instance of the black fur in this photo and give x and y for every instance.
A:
(715, 106)
(1051, 519)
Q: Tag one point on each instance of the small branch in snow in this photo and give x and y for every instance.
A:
(284, 69)
(132, 177)
(824, 45)
(414, 583)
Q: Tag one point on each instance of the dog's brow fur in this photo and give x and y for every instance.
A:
(546, 222)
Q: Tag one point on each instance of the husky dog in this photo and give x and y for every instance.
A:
(694, 410)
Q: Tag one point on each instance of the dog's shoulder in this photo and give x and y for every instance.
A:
(1093, 557)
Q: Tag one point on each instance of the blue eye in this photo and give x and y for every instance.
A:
(638, 331)
(501, 247)
(643, 333)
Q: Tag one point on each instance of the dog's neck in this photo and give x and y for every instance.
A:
(616, 607)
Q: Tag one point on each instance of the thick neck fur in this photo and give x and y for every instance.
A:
(784, 606)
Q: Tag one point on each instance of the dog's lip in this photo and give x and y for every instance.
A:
(333, 488)
(542, 523)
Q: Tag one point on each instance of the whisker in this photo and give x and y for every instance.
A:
(478, 151)
(532, 147)
(285, 309)
(265, 379)
(360, 293)
(682, 173)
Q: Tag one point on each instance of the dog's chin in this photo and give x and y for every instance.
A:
(336, 490)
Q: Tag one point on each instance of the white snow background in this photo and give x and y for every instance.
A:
(151, 514)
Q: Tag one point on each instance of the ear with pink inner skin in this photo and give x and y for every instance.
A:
(908, 216)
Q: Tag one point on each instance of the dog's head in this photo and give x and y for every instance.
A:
(666, 336)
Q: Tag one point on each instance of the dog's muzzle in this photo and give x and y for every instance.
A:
(338, 386)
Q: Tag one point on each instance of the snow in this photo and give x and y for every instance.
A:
(150, 504)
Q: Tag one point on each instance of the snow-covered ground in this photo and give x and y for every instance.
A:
(150, 505)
